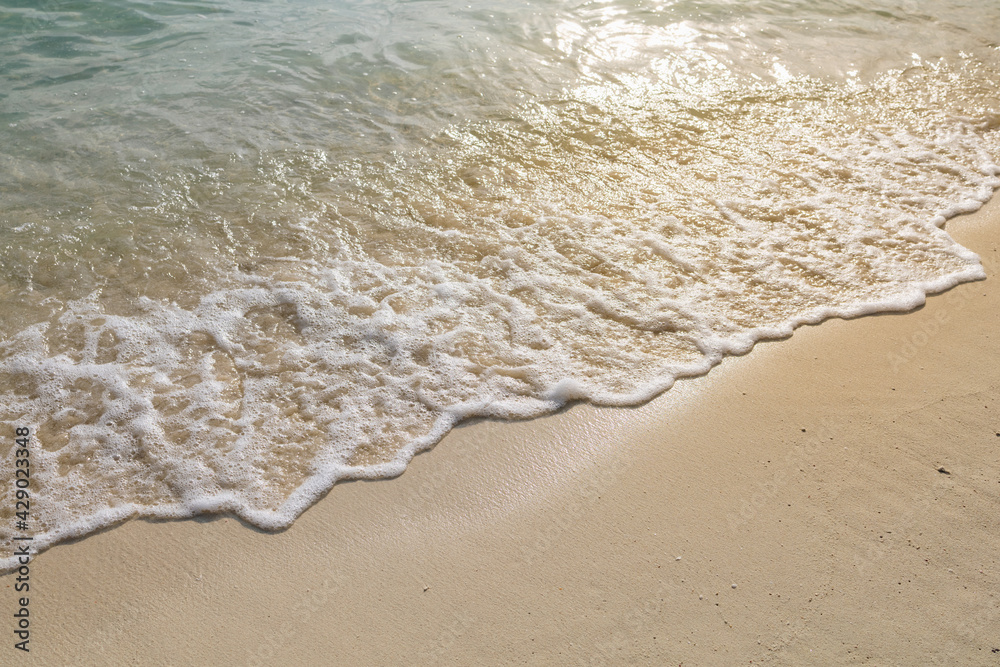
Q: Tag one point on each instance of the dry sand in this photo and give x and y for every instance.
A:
(790, 508)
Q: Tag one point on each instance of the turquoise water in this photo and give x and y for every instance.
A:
(250, 248)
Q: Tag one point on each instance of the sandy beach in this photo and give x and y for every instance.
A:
(830, 499)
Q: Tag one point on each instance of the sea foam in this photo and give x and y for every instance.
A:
(235, 331)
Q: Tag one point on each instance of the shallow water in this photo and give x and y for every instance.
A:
(250, 248)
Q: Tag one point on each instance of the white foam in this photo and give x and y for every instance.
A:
(598, 275)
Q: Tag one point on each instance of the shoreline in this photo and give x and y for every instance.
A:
(787, 508)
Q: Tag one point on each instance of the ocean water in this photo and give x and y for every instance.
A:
(251, 247)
